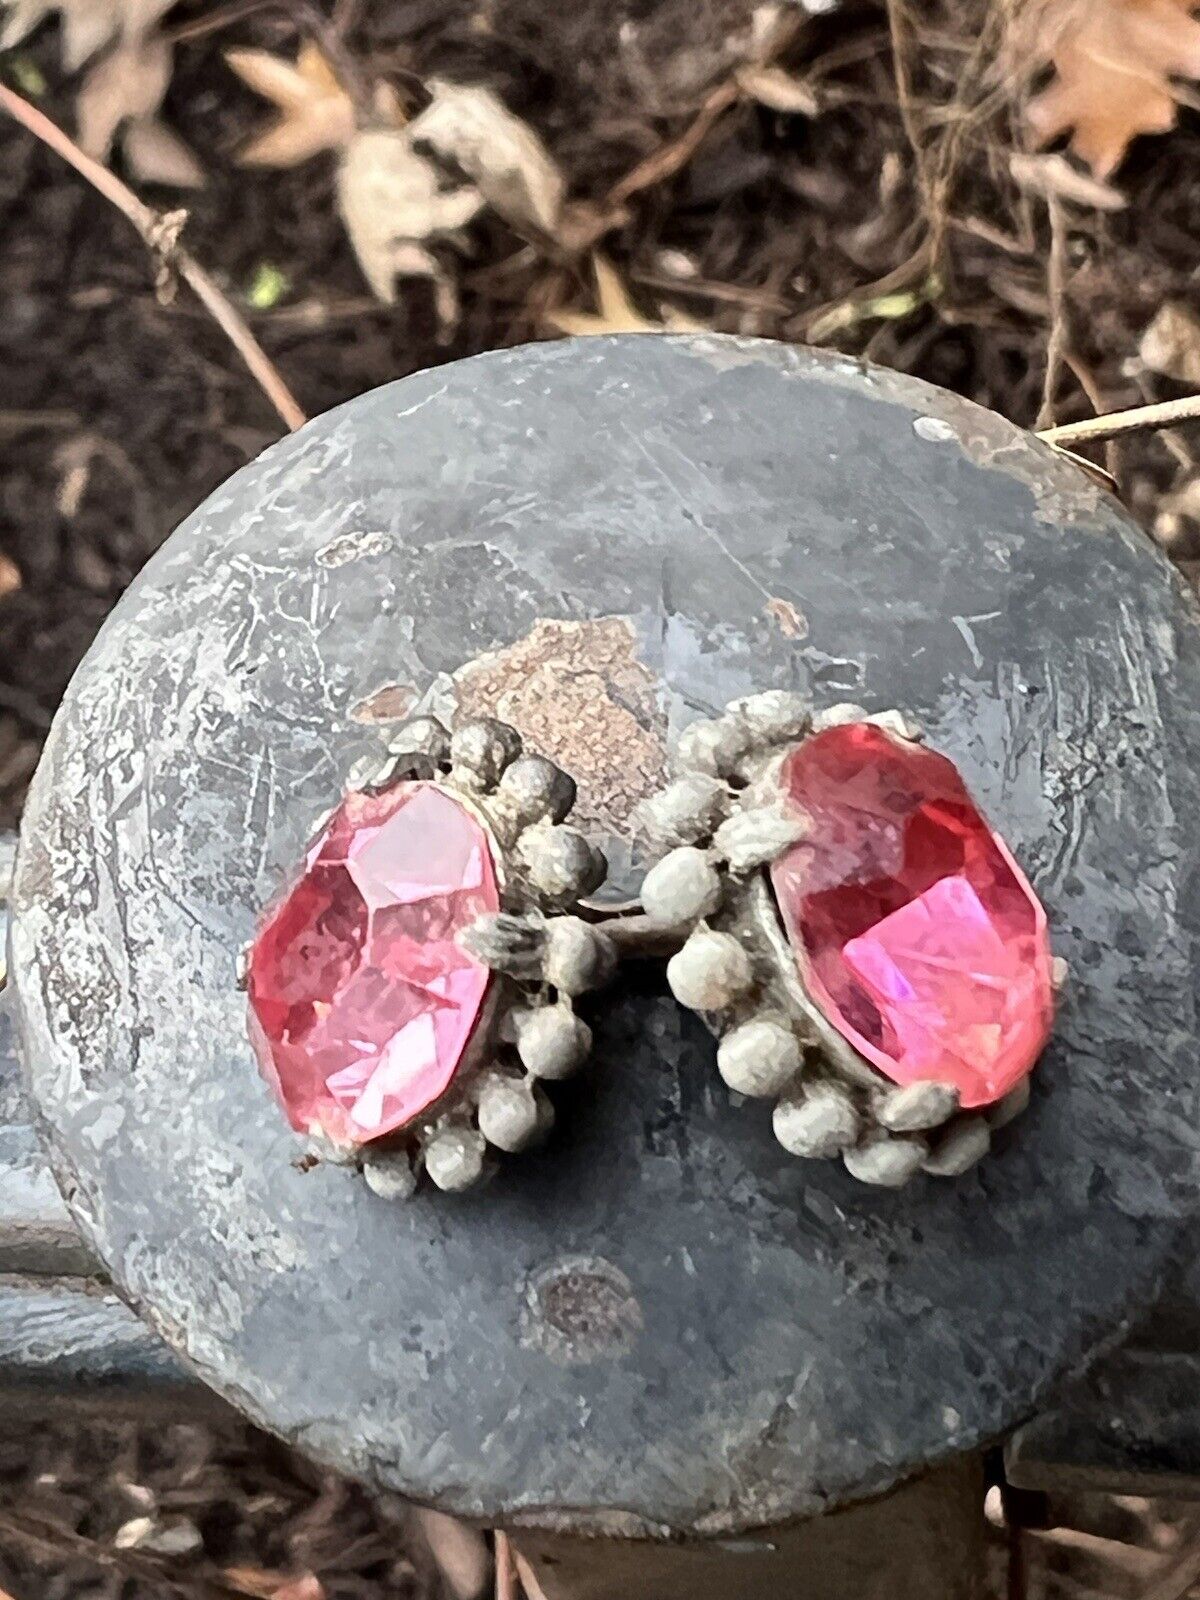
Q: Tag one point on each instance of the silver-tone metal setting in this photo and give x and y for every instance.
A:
(713, 832)
(540, 954)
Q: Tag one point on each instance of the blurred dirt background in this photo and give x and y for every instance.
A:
(858, 174)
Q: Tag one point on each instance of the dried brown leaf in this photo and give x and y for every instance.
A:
(470, 129)
(289, 85)
(392, 200)
(128, 82)
(316, 113)
(616, 312)
(1171, 344)
(1113, 60)
(154, 153)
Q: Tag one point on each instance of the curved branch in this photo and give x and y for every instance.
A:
(159, 234)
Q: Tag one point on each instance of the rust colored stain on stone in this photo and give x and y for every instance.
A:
(578, 693)
(791, 621)
(388, 704)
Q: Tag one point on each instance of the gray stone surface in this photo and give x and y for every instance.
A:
(662, 1320)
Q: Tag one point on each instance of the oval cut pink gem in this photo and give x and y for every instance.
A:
(361, 1002)
(916, 933)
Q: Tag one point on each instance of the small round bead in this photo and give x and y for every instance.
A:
(454, 1158)
(367, 770)
(508, 1113)
(686, 811)
(710, 972)
(395, 768)
(422, 736)
(886, 1160)
(562, 864)
(332, 1150)
(837, 716)
(760, 1058)
(714, 747)
(959, 1148)
(683, 887)
(774, 714)
(552, 1041)
(577, 957)
(481, 750)
(917, 1106)
(750, 839)
(537, 788)
(390, 1176)
(1012, 1105)
(895, 722)
(819, 1122)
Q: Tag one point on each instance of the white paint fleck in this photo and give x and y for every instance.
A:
(105, 1125)
(964, 628)
(933, 429)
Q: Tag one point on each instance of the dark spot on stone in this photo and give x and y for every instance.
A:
(582, 1309)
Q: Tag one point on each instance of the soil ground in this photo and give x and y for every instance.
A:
(888, 224)
(119, 414)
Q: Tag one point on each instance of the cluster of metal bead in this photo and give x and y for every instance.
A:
(715, 829)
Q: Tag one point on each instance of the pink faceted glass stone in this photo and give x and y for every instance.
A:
(361, 1002)
(916, 933)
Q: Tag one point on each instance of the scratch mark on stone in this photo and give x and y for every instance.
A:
(349, 547)
(964, 627)
(411, 411)
(690, 516)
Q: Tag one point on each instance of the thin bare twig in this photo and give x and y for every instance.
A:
(674, 155)
(214, 21)
(49, 1538)
(506, 1571)
(1138, 419)
(529, 1578)
(158, 233)
(34, 421)
(1056, 290)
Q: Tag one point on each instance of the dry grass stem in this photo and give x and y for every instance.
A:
(160, 233)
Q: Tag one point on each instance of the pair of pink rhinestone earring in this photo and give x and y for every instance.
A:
(864, 946)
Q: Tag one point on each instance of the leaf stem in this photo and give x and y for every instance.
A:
(1138, 419)
(158, 232)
